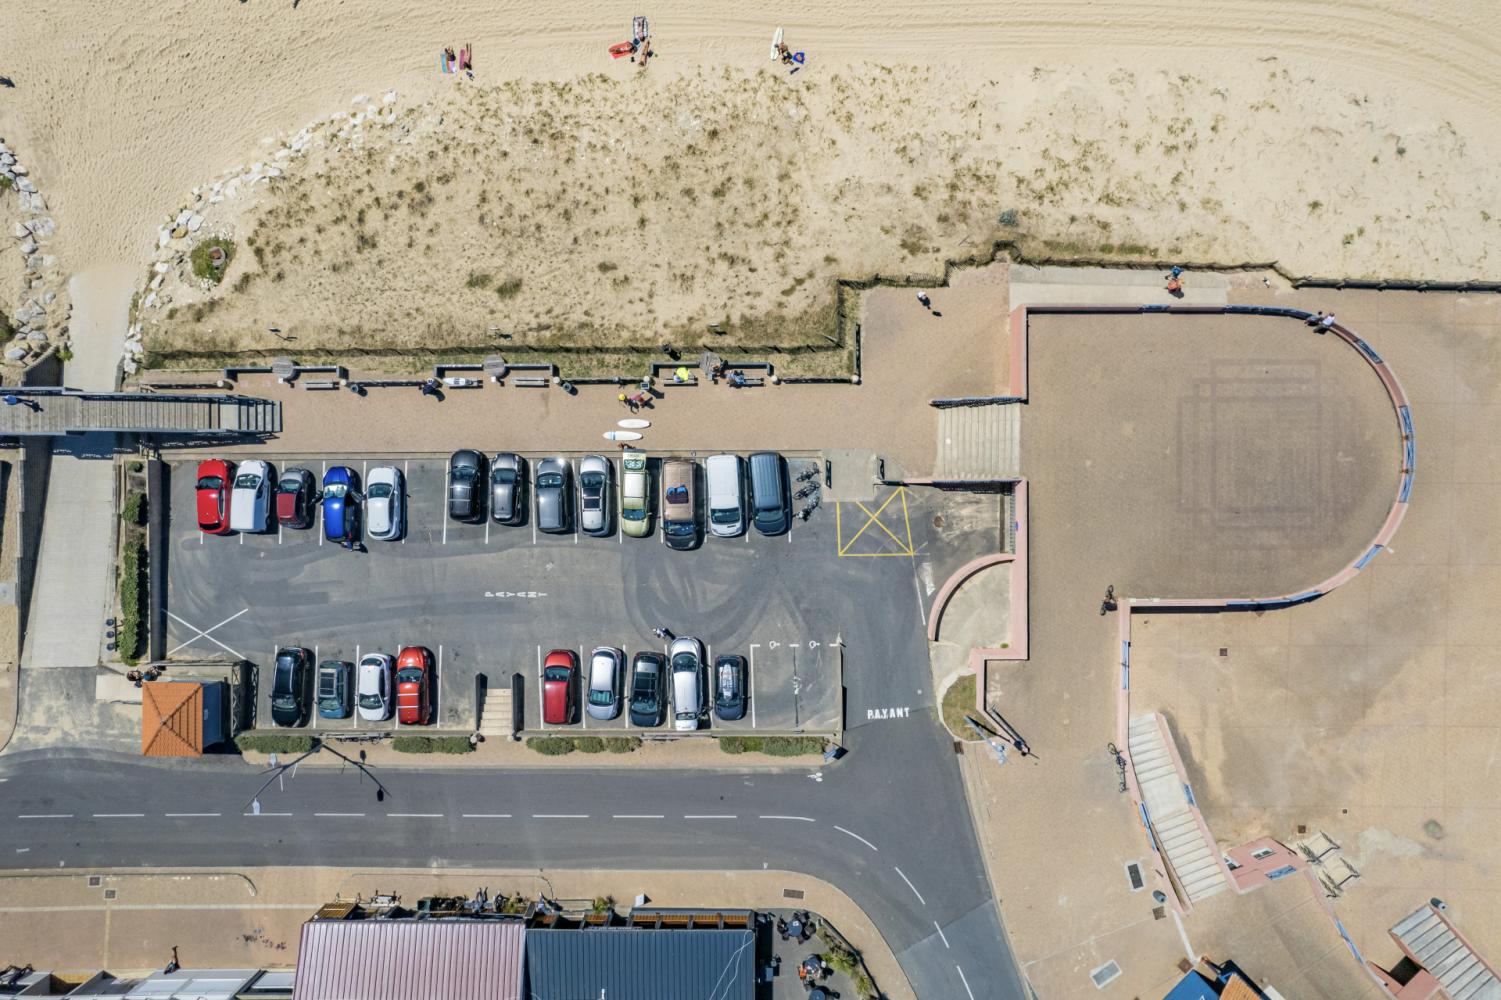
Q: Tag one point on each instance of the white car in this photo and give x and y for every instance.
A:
(373, 692)
(606, 671)
(250, 501)
(726, 495)
(385, 505)
(686, 657)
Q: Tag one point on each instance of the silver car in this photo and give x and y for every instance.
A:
(554, 495)
(686, 657)
(594, 495)
(385, 503)
(606, 672)
(373, 691)
(507, 487)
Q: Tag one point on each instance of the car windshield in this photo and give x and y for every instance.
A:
(599, 697)
(504, 476)
(335, 491)
(633, 513)
(677, 494)
(289, 485)
(679, 527)
(211, 483)
(592, 480)
(725, 515)
(380, 491)
(247, 480)
(411, 675)
(370, 701)
(464, 473)
(283, 701)
(550, 479)
(685, 661)
(556, 673)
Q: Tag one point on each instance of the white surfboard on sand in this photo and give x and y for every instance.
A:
(634, 424)
(622, 436)
(776, 40)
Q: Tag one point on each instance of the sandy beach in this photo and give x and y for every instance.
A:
(1337, 138)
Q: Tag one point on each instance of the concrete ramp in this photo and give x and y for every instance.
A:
(1168, 800)
(979, 442)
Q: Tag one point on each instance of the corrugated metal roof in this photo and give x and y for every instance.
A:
(410, 960)
(632, 964)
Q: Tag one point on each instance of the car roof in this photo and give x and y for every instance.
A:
(560, 657)
(338, 474)
(213, 467)
(383, 474)
(253, 465)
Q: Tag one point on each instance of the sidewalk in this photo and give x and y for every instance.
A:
(502, 753)
(252, 918)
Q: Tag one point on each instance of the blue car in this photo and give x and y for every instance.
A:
(341, 507)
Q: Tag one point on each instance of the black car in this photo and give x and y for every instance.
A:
(296, 495)
(466, 486)
(289, 686)
(648, 702)
(729, 687)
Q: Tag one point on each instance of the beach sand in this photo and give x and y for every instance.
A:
(1336, 138)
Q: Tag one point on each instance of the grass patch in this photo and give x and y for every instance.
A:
(509, 289)
(588, 744)
(273, 743)
(203, 265)
(132, 589)
(134, 509)
(431, 744)
(772, 746)
(622, 744)
(959, 701)
(478, 279)
(556, 746)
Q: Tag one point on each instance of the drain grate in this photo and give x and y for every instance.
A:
(1134, 876)
(110, 893)
(1105, 974)
(1159, 912)
(1224, 650)
(95, 881)
(792, 894)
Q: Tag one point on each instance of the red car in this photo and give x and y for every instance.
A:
(414, 668)
(215, 480)
(559, 681)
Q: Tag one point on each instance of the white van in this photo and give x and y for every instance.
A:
(250, 503)
(726, 495)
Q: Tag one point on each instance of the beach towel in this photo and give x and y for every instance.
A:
(464, 59)
(621, 49)
(443, 63)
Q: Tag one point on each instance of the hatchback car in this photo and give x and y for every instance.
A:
(289, 686)
(559, 681)
(729, 687)
(687, 658)
(508, 488)
(554, 496)
(635, 494)
(213, 495)
(295, 498)
(374, 695)
(335, 689)
(594, 495)
(648, 689)
(341, 508)
(385, 503)
(466, 490)
(606, 670)
(414, 670)
(250, 505)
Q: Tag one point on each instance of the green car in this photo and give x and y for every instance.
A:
(635, 495)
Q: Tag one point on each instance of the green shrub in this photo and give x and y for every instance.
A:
(134, 510)
(203, 267)
(477, 279)
(602, 904)
(740, 744)
(65, 354)
(132, 587)
(772, 746)
(589, 744)
(274, 742)
(848, 962)
(509, 289)
(550, 746)
(622, 744)
(431, 744)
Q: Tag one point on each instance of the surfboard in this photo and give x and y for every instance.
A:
(634, 424)
(776, 40)
(622, 436)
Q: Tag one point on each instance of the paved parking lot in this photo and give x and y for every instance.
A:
(490, 600)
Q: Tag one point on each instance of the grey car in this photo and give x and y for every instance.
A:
(594, 495)
(466, 479)
(554, 495)
(606, 673)
(508, 487)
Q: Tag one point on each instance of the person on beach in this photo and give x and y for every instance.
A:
(927, 303)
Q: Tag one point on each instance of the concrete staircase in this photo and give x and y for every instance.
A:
(1429, 939)
(979, 442)
(1167, 797)
(495, 714)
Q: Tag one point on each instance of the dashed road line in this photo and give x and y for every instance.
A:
(191, 815)
(349, 815)
(414, 815)
(965, 982)
(861, 839)
(265, 814)
(638, 816)
(45, 816)
(119, 815)
(486, 816)
(911, 886)
(801, 819)
(710, 816)
(560, 816)
(941, 935)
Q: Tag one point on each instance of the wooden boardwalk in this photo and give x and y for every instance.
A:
(54, 413)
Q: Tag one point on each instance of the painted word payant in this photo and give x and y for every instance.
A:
(887, 713)
(509, 593)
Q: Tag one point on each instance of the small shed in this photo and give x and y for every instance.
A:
(181, 718)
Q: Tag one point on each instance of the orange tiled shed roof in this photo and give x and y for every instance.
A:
(171, 719)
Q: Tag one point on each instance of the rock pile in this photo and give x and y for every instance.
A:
(40, 318)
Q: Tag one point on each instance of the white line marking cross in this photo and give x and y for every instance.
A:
(204, 633)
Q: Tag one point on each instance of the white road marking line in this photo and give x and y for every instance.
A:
(438, 688)
(119, 815)
(45, 816)
(965, 982)
(709, 816)
(265, 814)
(917, 585)
(322, 531)
(861, 839)
(204, 633)
(638, 816)
(414, 815)
(191, 815)
(560, 815)
(353, 815)
(487, 529)
(487, 816)
(278, 531)
(22, 850)
(801, 819)
(445, 524)
(1188, 948)
(911, 886)
(753, 683)
(541, 712)
(941, 935)
(242, 537)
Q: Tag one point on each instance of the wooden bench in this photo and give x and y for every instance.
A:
(534, 381)
(326, 383)
(747, 382)
(691, 380)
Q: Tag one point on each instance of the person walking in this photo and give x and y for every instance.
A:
(927, 303)
(1326, 323)
(662, 632)
(430, 387)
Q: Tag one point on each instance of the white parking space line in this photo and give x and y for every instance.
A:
(406, 484)
(278, 531)
(487, 529)
(320, 512)
(192, 815)
(242, 537)
(315, 712)
(965, 982)
(861, 839)
(541, 713)
(910, 885)
(438, 688)
(917, 585)
(753, 683)
(487, 816)
(584, 681)
(941, 935)
(534, 527)
(445, 519)
(800, 819)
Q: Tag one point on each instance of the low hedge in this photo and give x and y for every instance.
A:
(134, 509)
(132, 590)
(274, 742)
(772, 746)
(431, 744)
(550, 746)
(556, 746)
(622, 744)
